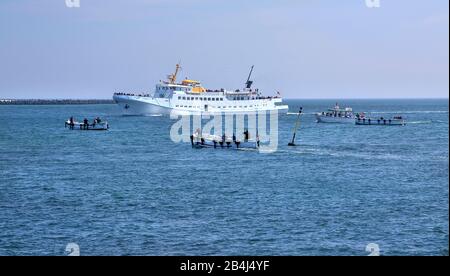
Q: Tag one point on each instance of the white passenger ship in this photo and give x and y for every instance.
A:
(190, 97)
(337, 115)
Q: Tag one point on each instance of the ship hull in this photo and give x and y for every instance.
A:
(131, 106)
(147, 106)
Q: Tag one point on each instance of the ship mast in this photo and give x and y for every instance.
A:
(173, 77)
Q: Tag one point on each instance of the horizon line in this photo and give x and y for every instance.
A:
(103, 99)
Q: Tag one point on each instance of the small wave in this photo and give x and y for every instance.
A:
(153, 115)
(347, 154)
(296, 113)
(420, 122)
(356, 155)
(247, 149)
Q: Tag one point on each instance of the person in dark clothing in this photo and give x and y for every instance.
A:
(86, 123)
(246, 135)
(71, 122)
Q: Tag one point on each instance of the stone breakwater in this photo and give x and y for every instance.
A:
(53, 101)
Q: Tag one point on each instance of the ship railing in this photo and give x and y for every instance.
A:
(268, 97)
(131, 94)
(215, 90)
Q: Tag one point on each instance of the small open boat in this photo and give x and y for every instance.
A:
(367, 121)
(86, 125)
(199, 140)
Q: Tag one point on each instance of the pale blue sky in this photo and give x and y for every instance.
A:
(304, 48)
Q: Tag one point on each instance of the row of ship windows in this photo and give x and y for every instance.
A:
(214, 99)
(218, 106)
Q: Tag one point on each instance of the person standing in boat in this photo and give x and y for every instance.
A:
(246, 135)
(71, 122)
(86, 123)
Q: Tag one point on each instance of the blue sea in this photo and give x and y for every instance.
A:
(132, 191)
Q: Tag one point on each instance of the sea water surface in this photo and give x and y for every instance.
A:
(132, 191)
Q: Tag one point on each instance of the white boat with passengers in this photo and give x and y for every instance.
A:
(336, 115)
(190, 97)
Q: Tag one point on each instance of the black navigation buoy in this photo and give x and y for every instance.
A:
(297, 123)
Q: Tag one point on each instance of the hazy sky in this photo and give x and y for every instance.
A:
(304, 48)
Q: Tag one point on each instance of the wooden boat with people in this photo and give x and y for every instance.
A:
(97, 124)
(362, 120)
(201, 140)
